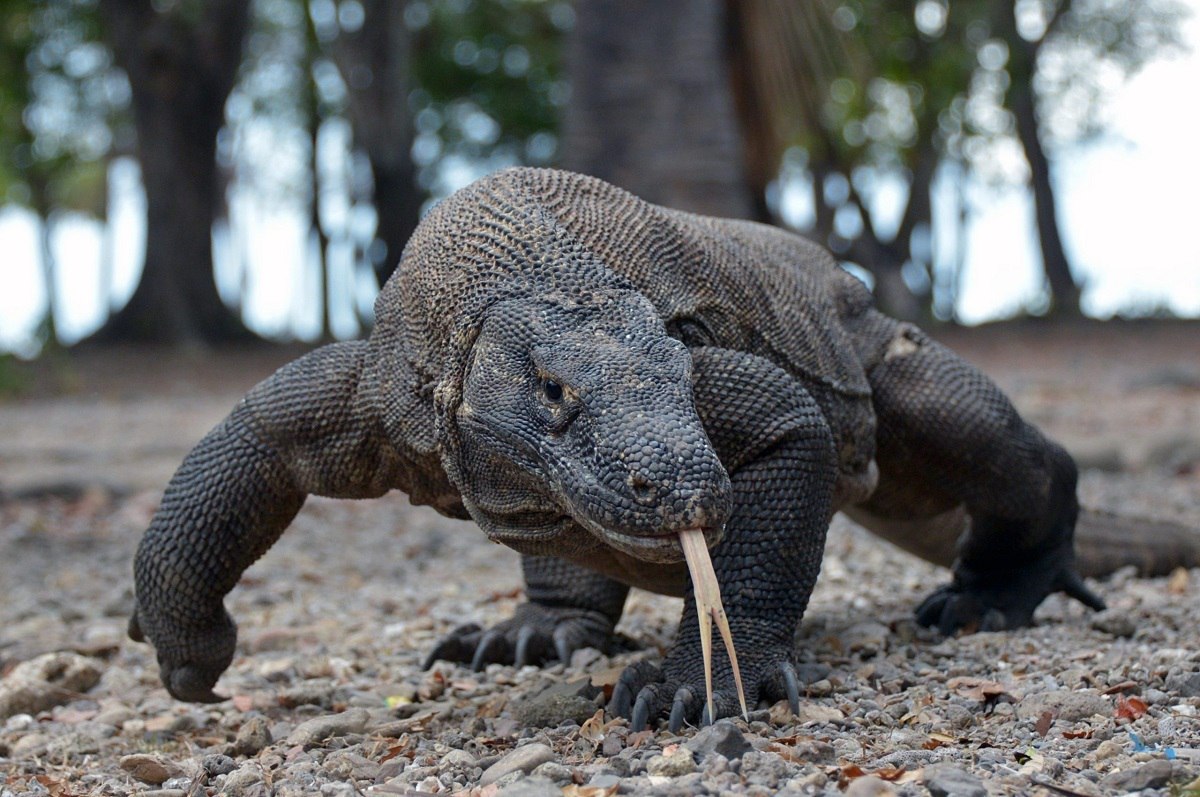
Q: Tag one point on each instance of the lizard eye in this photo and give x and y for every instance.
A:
(552, 390)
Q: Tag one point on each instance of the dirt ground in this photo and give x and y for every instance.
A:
(329, 698)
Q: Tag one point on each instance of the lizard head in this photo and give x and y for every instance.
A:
(577, 412)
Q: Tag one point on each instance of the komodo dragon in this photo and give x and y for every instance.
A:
(586, 375)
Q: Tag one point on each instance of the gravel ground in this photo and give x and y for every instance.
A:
(328, 697)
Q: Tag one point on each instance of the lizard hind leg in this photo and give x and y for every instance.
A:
(948, 438)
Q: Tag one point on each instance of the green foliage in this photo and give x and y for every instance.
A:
(62, 106)
(490, 84)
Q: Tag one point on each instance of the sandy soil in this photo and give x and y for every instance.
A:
(329, 697)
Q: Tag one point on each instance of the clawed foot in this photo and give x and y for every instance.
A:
(534, 635)
(189, 661)
(999, 600)
(645, 692)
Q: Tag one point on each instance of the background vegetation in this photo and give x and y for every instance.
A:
(361, 112)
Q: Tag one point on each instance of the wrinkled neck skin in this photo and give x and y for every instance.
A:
(575, 433)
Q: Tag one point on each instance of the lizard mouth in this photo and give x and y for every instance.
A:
(662, 545)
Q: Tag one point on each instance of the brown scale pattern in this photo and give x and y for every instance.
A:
(586, 375)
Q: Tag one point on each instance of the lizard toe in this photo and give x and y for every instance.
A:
(782, 683)
(459, 645)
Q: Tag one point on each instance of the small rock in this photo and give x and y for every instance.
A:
(319, 729)
(218, 765)
(554, 771)
(252, 737)
(1069, 706)
(164, 793)
(1185, 684)
(604, 780)
(45, 681)
(723, 738)
(1115, 622)
(30, 745)
(152, 769)
(457, 759)
(948, 781)
(245, 776)
(522, 759)
(674, 761)
(814, 712)
(869, 786)
(531, 787)
(574, 700)
(1147, 776)
(867, 638)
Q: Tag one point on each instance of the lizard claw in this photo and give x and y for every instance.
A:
(535, 635)
(1003, 599)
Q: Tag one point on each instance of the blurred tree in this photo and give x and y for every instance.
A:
(61, 104)
(489, 86)
(651, 108)
(373, 53)
(879, 94)
(181, 58)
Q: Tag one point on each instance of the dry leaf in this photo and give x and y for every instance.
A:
(1129, 708)
(594, 728)
(937, 740)
(1042, 726)
(1083, 734)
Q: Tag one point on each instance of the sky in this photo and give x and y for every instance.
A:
(1128, 206)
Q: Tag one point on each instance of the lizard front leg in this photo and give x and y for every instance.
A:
(569, 608)
(309, 428)
(778, 449)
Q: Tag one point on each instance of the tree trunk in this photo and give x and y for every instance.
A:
(1064, 292)
(181, 64)
(374, 61)
(652, 106)
(1020, 100)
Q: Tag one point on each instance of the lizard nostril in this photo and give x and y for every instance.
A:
(643, 489)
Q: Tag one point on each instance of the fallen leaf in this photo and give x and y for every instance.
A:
(1042, 726)
(594, 728)
(937, 740)
(1083, 734)
(1129, 708)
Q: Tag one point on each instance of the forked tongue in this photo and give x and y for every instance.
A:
(708, 609)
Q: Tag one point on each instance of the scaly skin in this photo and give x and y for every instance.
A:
(586, 375)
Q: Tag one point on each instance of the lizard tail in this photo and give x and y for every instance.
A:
(1105, 541)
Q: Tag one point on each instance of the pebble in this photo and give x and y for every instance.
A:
(252, 737)
(722, 738)
(152, 769)
(869, 786)
(1185, 684)
(1114, 622)
(531, 787)
(555, 772)
(950, 781)
(51, 679)
(236, 782)
(674, 761)
(522, 759)
(319, 729)
(1069, 706)
(1147, 776)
